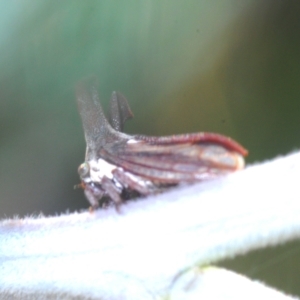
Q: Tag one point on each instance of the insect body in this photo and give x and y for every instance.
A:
(117, 163)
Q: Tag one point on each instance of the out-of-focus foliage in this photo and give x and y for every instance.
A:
(184, 66)
(151, 52)
(227, 66)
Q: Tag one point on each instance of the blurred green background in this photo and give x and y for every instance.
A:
(225, 66)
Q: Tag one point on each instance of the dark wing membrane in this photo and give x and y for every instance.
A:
(119, 111)
(174, 162)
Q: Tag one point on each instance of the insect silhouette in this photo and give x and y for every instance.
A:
(117, 164)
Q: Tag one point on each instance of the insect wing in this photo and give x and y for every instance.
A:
(174, 159)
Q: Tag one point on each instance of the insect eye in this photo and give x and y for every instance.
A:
(84, 170)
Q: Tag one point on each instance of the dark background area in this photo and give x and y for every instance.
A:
(185, 66)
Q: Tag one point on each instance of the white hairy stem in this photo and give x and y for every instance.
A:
(137, 254)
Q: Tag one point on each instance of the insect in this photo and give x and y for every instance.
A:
(117, 164)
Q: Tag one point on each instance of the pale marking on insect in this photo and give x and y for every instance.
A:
(132, 141)
(218, 154)
(100, 168)
(240, 162)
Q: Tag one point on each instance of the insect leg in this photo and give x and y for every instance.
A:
(93, 194)
(112, 191)
(142, 187)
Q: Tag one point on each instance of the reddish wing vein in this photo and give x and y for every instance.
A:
(193, 138)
